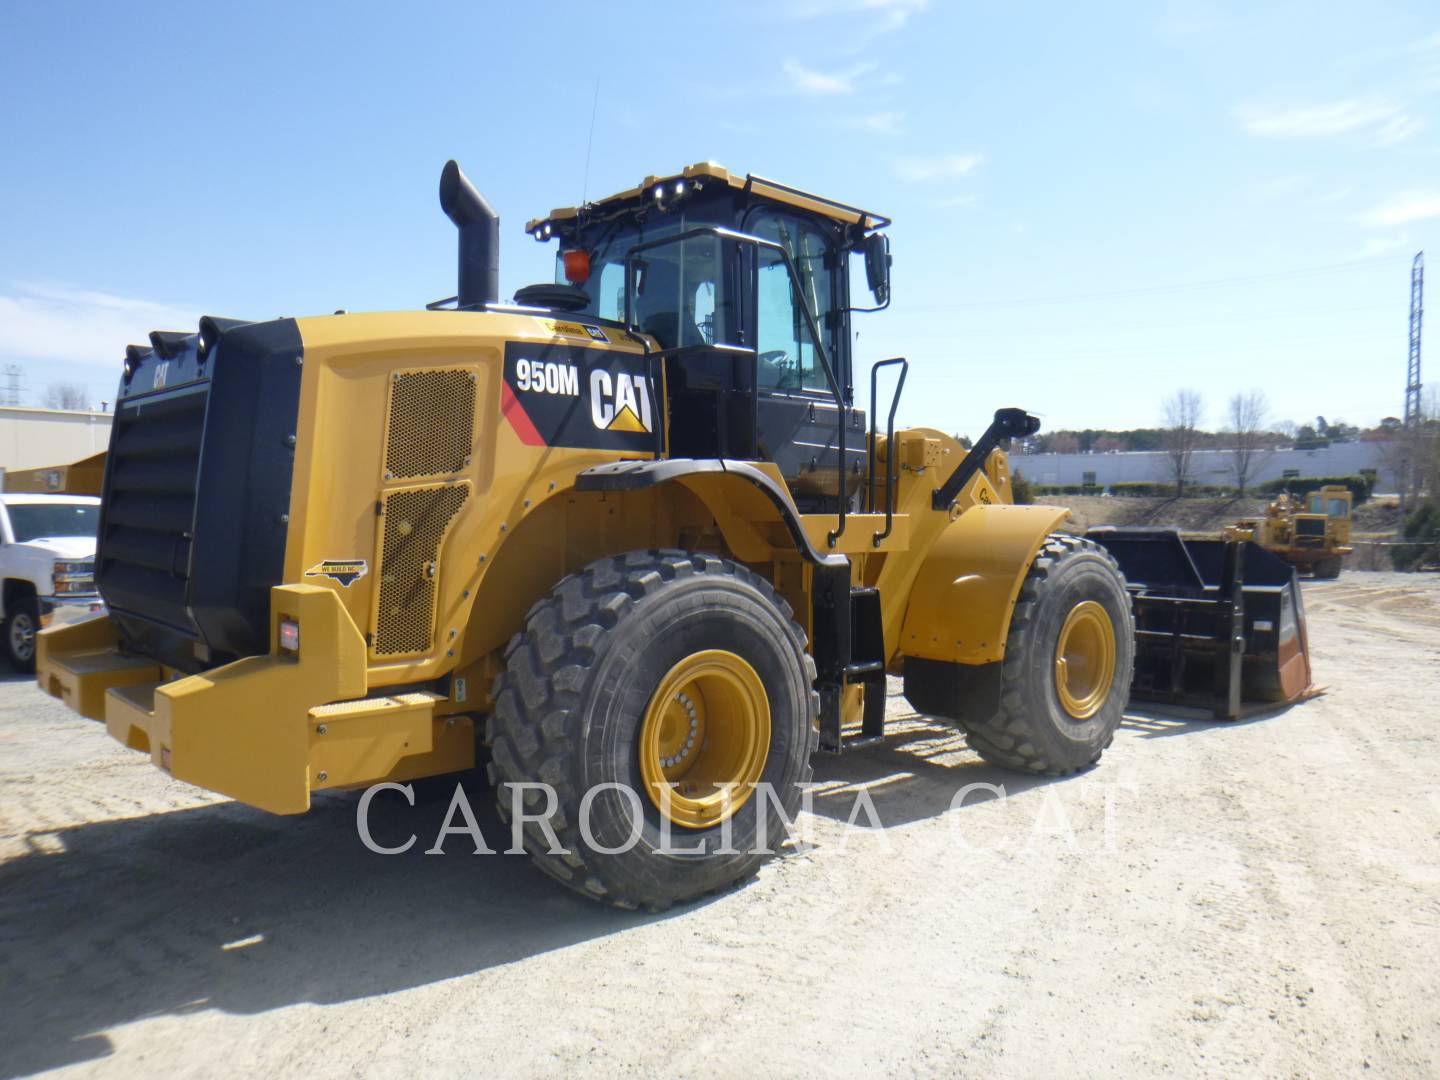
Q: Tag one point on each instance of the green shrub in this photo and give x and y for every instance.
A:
(1021, 488)
(1422, 528)
(1360, 486)
(1143, 489)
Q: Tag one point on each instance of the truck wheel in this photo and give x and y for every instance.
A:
(638, 691)
(1328, 569)
(1053, 704)
(21, 626)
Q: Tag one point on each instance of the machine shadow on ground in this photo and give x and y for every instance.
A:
(1154, 722)
(914, 774)
(226, 907)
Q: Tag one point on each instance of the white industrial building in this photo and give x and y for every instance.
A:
(1209, 466)
(32, 438)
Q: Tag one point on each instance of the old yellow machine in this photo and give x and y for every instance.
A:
(83, 477)
(628, 536)
(1313, 537)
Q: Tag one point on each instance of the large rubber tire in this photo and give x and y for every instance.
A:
(570, 703)
(1328, 569)
(1016, 718)
(22, 623)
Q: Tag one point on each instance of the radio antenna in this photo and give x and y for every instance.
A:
(589, 145)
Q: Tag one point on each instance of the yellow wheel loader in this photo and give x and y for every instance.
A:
(630, 534)
(1313, 536)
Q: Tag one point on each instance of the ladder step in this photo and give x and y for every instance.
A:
(867, 667)
(859, 742)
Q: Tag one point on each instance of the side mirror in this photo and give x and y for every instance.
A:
(877, 266)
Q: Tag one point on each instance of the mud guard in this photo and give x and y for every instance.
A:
(960, 604)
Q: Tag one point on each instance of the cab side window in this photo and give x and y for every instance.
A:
(788, 357)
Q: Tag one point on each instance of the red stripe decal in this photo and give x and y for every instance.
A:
(512, 410)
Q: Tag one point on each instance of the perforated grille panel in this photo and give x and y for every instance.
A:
(415, 523)
(432, 423)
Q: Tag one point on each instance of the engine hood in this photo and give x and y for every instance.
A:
(59, 547)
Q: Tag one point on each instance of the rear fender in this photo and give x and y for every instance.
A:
(960, 605)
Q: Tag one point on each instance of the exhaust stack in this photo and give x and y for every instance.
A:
(479, 228)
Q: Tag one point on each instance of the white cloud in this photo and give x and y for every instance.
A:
(1385, 121)
(1401, 209)
(879, 123)
(814, 83)
(60, 324)
(941, 167)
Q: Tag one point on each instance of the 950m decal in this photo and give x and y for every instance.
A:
(568, 395)
(345, 571)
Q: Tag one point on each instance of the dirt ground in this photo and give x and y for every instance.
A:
(1259, 898)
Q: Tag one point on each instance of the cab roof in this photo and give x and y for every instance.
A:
(705, 172)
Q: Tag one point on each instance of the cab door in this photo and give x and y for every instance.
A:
(797, 419)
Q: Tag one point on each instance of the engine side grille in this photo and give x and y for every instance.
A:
(415, 524)
(144, 550)
(1310, 527)
(432, 423)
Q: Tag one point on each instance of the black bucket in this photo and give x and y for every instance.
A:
(1218, 623)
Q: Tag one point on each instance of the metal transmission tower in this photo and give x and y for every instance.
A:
(1417, 314)
(13, 391)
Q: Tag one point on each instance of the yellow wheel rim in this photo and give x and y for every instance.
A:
(705, 738)
(1085, 660)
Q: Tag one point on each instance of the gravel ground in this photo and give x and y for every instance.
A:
(1259, 898)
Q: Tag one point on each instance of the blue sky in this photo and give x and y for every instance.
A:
(1094, 204)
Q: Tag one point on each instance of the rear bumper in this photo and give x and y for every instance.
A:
(266, 730)
(60, 610)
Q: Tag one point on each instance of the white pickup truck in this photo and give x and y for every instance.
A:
(47, 566)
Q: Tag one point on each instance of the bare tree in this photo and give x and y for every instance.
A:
(1249, 414)
(1425, 441)
(67, 395)
(1182, 411)
(1413, 455)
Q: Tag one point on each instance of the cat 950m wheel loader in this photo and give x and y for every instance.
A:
(630, 534)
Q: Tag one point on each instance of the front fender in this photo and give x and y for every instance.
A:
(960, 604)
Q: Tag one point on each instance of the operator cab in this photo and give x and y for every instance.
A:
(734, 278)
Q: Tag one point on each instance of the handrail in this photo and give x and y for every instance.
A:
(721, 233)
(889, 442)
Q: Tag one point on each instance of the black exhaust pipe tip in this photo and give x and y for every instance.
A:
(479, 228)
(460, 200)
